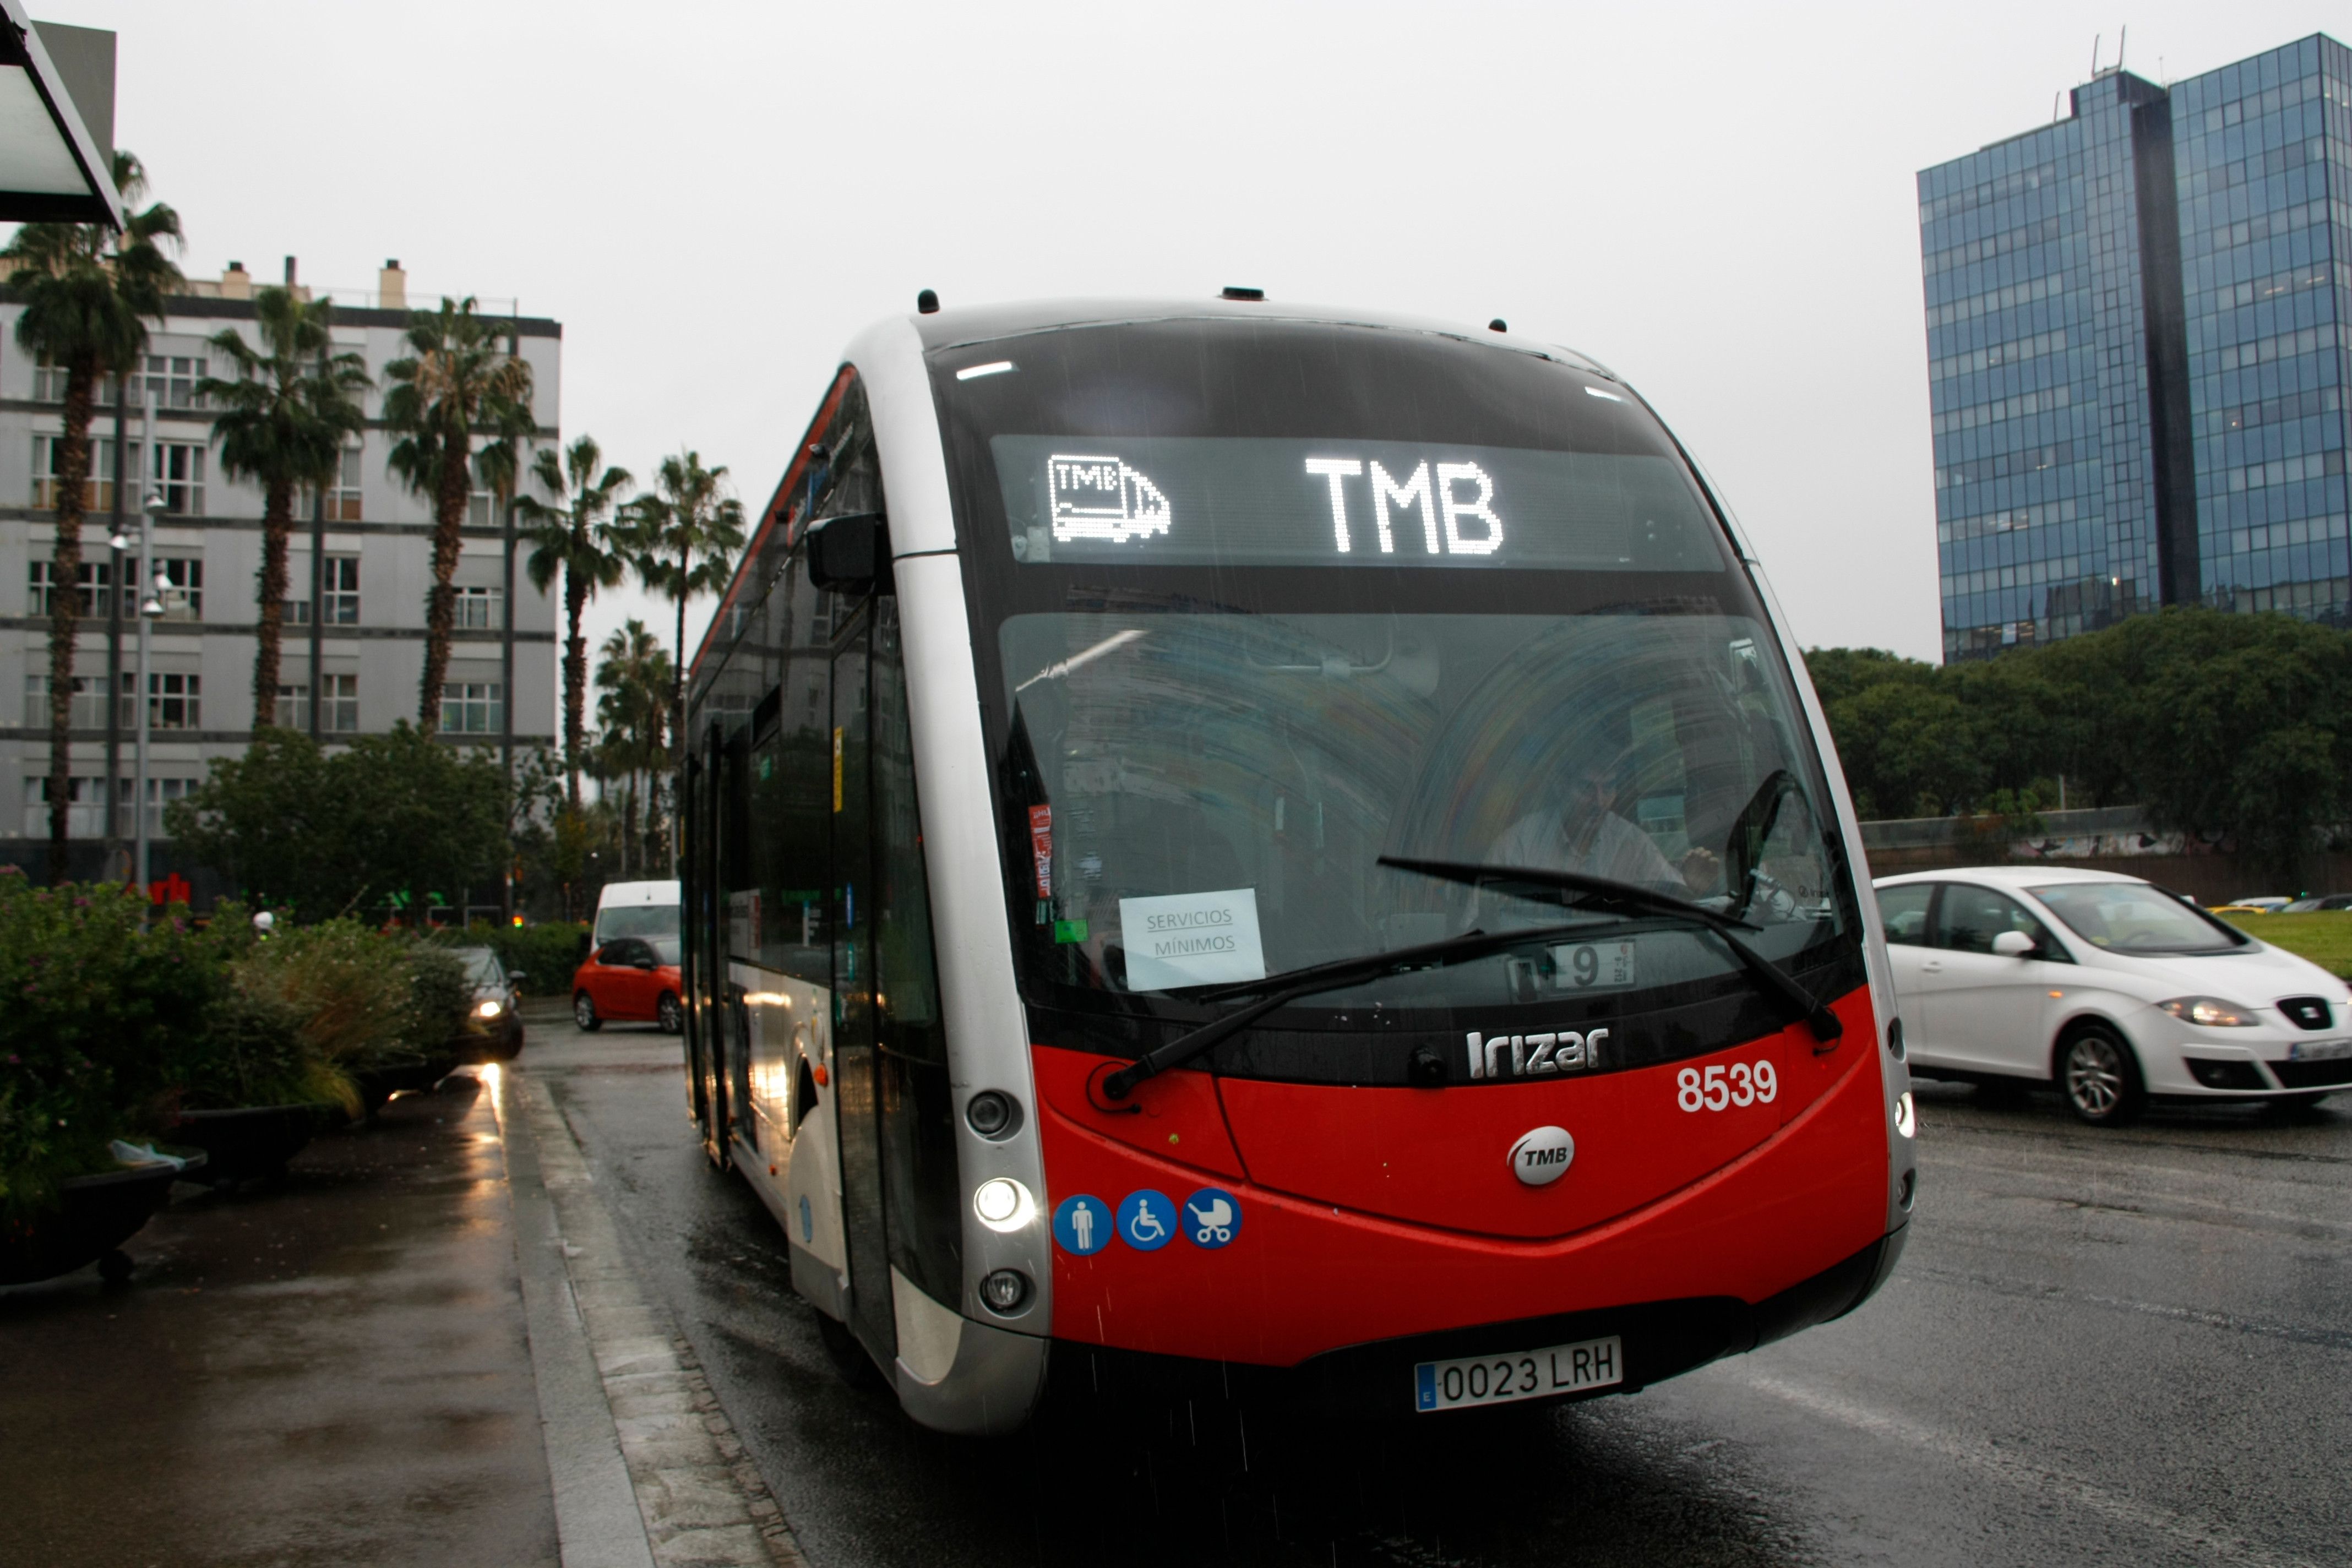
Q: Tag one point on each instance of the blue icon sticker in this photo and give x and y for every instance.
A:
(1213, 1218)
(1082, 1224)
(1146, 1220)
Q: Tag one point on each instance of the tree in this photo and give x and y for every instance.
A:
(88, 294)
(635, 680)
(283, 425)
(456, 384)
(585, 542)
(687, 532)
(328, 834)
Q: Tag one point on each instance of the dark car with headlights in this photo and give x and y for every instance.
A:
(492, 1031)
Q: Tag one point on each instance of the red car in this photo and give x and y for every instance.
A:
(630, 979)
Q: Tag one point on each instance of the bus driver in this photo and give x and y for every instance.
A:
(1586, 835)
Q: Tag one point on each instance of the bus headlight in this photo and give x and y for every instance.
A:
(1004, 1204)
(1907, 1115)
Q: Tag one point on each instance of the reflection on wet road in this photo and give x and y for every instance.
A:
(2126, 1347)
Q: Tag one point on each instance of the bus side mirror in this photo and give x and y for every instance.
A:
(848, 552)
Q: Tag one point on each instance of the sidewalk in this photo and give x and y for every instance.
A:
(421, 1347)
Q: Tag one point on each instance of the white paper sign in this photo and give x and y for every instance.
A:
(1192, 939)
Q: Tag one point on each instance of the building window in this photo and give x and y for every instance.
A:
(478, 609)
(88, 702)
(48, 381)
(174, 701)
(172, 379)
(341, 578)
(339, 704)
(178, 472)
(293, 710)
(94, 578)
(481, 510)
(179, 582)
(97, 493)
(473, 708)
(341, 503)
(85, 811)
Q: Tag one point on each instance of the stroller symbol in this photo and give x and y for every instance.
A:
(1215, 1216)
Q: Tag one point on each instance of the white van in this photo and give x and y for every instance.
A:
(636, 908)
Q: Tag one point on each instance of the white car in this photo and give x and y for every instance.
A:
(2107, 986)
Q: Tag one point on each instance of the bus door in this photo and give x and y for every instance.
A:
(695, 913)
(856, 1099)
(706, 952)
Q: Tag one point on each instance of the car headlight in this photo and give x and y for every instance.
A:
(2209, 1012)
(488, 1007)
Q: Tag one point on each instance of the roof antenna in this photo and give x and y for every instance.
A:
(2121, 40)
(2096, 39)
(2054, 105)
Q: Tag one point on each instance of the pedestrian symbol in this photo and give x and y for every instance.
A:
(1146, 1220)
(1082, 1224)
(1213, 1216)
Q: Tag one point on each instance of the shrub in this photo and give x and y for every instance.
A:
(103, 1009)
(366, 1000)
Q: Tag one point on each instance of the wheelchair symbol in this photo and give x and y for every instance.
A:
(1215, 1214)
(1146, 1220)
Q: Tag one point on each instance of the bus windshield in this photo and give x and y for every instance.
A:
(1259, 604)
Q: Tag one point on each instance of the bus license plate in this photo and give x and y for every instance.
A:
(1524, 1374)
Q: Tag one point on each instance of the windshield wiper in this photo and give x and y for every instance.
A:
(1573, 889)
(1289, 986)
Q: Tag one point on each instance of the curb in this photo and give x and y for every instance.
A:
(648, 1471)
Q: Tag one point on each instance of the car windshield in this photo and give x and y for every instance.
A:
(2136, 918)
(1323, 596)
(482, 965)
(636, 920)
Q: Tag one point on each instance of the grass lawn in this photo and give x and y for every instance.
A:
(2323, 937)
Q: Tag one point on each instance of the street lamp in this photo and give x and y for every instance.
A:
(150, 607)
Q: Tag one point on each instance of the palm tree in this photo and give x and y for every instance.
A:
(284, 421)
(633, 678)
(457, 383)
(87, 294)
(579, 540)
(687, 534)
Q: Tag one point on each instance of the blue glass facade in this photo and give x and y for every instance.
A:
(2086, 282)
(2264, 148)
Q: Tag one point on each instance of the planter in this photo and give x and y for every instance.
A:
(250, 1143)
(377, 1085)
(94, 1216)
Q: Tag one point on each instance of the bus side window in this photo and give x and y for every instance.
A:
(793, 783)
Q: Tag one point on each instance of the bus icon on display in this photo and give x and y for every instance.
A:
(1102, 498)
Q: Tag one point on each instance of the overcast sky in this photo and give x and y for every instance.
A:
(1716, 201)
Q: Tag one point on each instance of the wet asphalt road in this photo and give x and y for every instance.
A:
(2128, 1348)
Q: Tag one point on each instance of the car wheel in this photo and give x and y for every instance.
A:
(2100, 1077)
(669, 1015)
(584, 1011)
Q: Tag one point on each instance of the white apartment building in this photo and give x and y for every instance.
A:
(361, 566)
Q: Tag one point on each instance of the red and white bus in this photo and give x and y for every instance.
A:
(1222, 836)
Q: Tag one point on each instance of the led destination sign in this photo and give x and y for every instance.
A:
(1180, 500)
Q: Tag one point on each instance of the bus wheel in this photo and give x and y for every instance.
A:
(669, 1015)
(850, 1362)
(583, 1013)
(2100, 1077)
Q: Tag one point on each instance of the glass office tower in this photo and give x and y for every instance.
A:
(2122, 368)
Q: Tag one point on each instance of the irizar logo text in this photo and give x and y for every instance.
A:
(1529, 1054)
